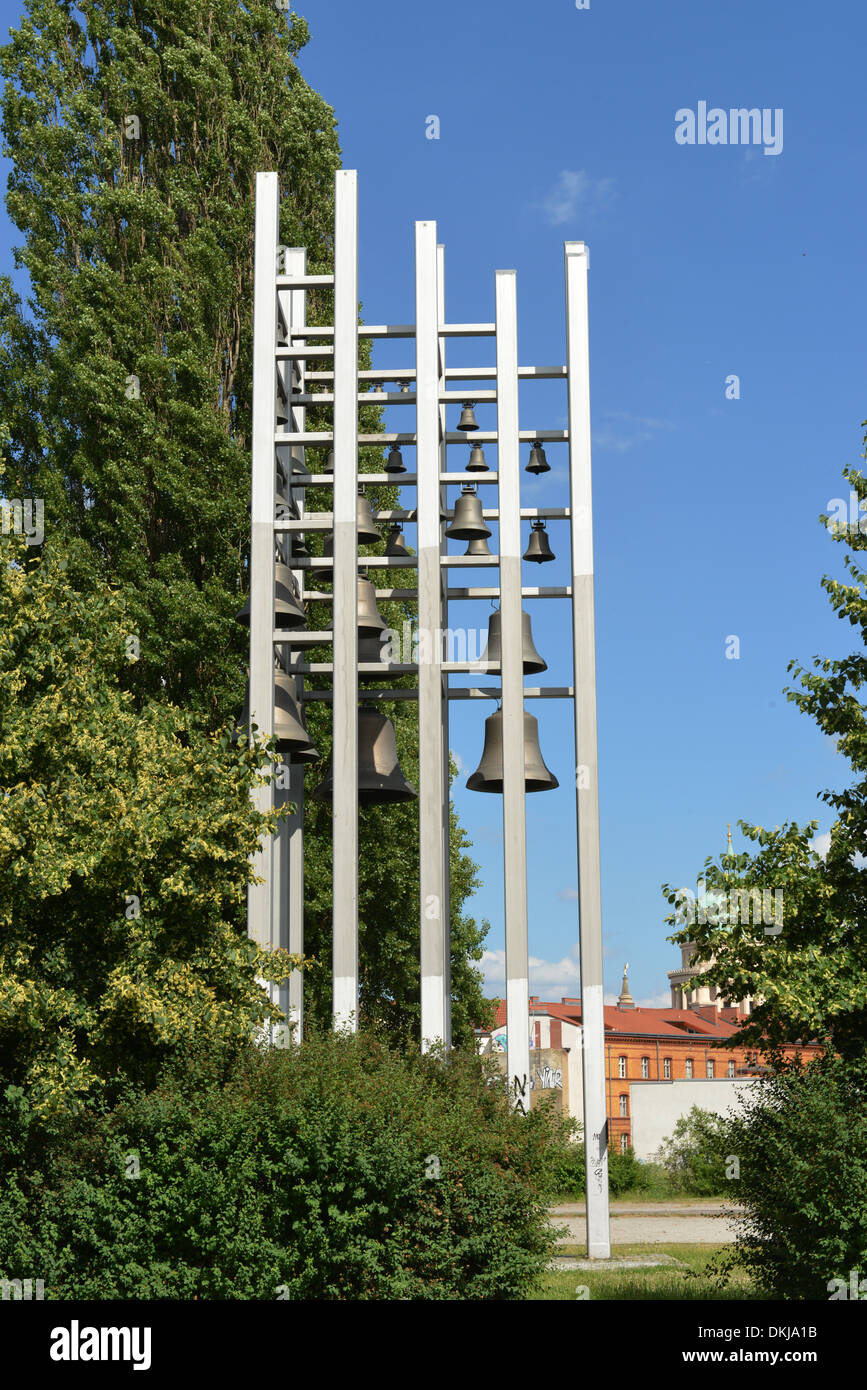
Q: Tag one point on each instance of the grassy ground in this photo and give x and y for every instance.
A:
(663, 1282)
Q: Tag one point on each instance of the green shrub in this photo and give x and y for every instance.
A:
(625, 1173)
(801, 1142)
(695, 1155)
(341, 1170)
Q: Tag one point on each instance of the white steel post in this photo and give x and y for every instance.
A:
(345, 610)
(261, 704)
(584, 645)
(291, 998)
(444, 610)
(430, 675)
(514, 804)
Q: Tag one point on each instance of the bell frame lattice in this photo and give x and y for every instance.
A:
(282, 339)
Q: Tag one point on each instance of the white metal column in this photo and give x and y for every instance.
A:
(345, 613)
(444, 612)
(430, 675)
(587, 784)
(514, 804)
(259, 895)
(291, 998)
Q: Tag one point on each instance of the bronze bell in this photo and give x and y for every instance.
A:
(394, 462)
(290, 731)
(285, 507)
(369, 618)
(288, 612)
(468, 419)
(289, 728)
(370, 650)
(367, 532)
(539, 547)
(299, 547)
(395, 544)
(538, 462)
(478, 546)
(328, 465)
(380, 779)
(299, 467)
(282, 410)
(404, 388)
(477, 461)
(488, 776)
(468, 520)
(533, 662)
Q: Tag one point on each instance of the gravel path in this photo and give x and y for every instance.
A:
(656, 1223)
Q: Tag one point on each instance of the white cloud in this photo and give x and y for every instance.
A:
(629, 431)
(575, 191)
(568, 895)
(549, 979)
(821, 844)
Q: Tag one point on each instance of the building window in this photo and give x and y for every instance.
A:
(621, 1067)
(624, 1143)
(708, 1068)
(666, 1068)
(689, 1068)
(645, 1068)
(731, 1068)
(624, 1107)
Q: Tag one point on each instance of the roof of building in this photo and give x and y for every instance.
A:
(641, 1022)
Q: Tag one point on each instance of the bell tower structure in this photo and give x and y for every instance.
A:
(297, 365)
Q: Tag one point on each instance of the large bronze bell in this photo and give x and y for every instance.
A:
(395, 544)
(477, 462)
(367, 531)
(478, 546)
(369, 618)
(299, 547)
(488, 776)
(538, 462)
(539, 547)
(288, 612)
(468, 520)
(533, 662)
(290, 732)
(394, 462)
(468, 419)
(380, 779)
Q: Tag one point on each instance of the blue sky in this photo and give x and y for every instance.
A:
(559, 124)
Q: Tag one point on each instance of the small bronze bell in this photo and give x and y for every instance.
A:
(468, 521)
(288, 612)
(395, 544)
(478, 546)
(538, 462)
(367, 532)
(282, 410)
(488, 776)
(369, 617)
(328, 465)
(370, 650)
(405, 388)
(299, 547)
(394, 462)
(477, 461)
(290, 732)
(380, 779)
(539, 547)
(468, 419)
(533, 662)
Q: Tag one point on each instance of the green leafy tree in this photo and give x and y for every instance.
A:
(125, 836)
(807, 965)
(695, 1154)
(135, 135)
